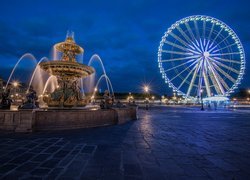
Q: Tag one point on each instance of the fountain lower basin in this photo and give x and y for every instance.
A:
(62, 119)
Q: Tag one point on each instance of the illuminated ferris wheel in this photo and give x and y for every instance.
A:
(201, 54)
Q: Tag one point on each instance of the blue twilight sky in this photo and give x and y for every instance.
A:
(125, 34)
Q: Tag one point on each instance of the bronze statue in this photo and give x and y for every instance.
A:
(6, 101)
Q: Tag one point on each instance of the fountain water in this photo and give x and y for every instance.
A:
(25, 56)
(109, 83)
(97, 58)
(37, 73)
(52, 82)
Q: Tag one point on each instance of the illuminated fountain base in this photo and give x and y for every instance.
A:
(53, 119)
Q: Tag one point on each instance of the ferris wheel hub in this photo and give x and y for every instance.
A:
(206, 54)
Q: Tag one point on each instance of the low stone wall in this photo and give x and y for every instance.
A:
(126, 114)
(72, 119)
(39, 120)
(18, 121)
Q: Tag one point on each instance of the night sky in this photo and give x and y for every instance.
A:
(125, 34)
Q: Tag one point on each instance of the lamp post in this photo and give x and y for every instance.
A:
(202, 107)
(146, 90)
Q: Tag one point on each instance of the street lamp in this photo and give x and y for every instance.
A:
(15, 84)
(146, 90)
(202, 108)
(153, 98)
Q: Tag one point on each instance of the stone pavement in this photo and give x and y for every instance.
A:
(165, 143)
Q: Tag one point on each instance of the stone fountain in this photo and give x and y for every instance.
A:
(68, 72)
(29, 117)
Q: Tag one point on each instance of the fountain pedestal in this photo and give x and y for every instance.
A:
(68, 73)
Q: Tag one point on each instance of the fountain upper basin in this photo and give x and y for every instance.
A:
(67, 69)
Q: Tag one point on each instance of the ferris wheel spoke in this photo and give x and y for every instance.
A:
(214, 40)
(197, 30)
(211, 50)
(224, 73)
(216, 77)
(193, 38)
(204, 29)
(226, 67)
(194, 52)
(190, 31)
(188, 76)
(214, 82)
(207, 85)
(185, 36)
(183, 71)
(177, 52)
(193, 78)
(180, 59)
(197, 47)
(212, 59)
(227, 60)
(223, 54)
(224, 83)
(221, 80)
(211, 31)
(176, 45)
(179, 39)
(207, 45)
(200, 78)
(224, 47)
(224, 39)
(180, 65)
(202, 46)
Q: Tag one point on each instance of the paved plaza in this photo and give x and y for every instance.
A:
(164, 143)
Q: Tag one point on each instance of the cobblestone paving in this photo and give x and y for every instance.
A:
(165, 143)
